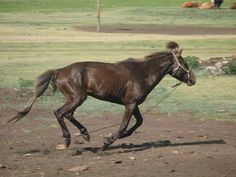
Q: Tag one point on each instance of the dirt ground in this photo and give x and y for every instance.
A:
(160, 29)
(165, 145)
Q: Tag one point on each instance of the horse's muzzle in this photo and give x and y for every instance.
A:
(192, 80)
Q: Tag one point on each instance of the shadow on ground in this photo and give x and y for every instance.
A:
(126, 148)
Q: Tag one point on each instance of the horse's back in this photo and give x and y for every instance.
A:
(106, 81)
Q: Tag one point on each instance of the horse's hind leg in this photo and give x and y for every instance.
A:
(82, 129)
(60, 118)
(72, 103)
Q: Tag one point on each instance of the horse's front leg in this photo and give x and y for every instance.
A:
(126, 118)
(139, 121)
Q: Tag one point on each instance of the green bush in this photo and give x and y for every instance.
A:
(230, 68)
(24, 83)
(192, 61)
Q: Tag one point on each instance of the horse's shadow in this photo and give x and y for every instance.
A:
(126, 148)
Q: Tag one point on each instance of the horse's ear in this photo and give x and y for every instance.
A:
(179, 52)
(172, 45)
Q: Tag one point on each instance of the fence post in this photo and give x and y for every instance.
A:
(98, 15)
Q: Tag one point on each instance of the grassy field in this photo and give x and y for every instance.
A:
(36, 35)
(86, 5)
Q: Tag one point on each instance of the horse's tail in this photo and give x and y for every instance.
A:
(40, 87)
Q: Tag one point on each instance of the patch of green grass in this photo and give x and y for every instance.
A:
(192, 61)
(86, 5)
(46, 5)
(31, 59)
(211, 98)
(25, 83)
(128, 15)
(83, 12)
(170, 16)
(151, 3)
(230, 68)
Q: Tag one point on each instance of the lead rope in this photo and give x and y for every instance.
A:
(174, 87)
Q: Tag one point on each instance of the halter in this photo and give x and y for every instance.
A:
(179, 66)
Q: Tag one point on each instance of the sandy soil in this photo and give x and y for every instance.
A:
(165, 145)
(126, 33)
(160, 29)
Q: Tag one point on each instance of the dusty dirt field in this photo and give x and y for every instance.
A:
(160, 29)
(165, 145)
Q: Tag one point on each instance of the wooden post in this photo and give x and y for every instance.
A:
(99, 15)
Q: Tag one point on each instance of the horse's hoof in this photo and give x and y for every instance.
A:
(105, 146)
(86, 136)
(107, 142)
(67, 142)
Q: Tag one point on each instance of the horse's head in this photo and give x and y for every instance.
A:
(180, 69)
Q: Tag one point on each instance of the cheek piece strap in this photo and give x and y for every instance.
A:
(179, 66)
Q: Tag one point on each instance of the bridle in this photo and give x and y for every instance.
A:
(179, 66)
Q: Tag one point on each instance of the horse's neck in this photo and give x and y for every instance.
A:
(150, 72)
(154, 71)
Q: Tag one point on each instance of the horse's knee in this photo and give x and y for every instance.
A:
(58, 114)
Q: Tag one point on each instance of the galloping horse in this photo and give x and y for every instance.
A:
(127, 83)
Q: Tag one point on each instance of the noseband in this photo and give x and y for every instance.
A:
(179, 66)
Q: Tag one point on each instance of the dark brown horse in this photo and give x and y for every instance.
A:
(127, 82)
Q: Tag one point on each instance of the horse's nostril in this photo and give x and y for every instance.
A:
(193, 81)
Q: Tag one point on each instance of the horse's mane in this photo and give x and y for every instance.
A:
(170, 46)
(157, 55)
(153, 56)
